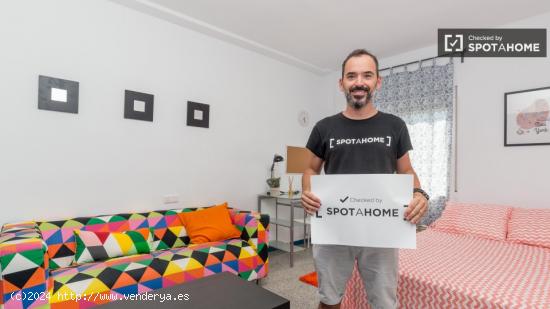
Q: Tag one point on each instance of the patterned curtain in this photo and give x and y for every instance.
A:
(424, 100)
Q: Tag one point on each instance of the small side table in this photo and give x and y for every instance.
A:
(292, 201)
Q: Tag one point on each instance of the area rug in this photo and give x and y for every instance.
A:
(310, 278)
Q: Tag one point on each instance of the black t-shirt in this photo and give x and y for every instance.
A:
(367, 146)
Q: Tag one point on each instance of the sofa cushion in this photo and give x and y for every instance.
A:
(168, 231)
(169, 237)
(481, 220)
(99, 246)
(104, 278)
(210, 224)
(59, 235)
(160, 269)
(233, 255)
(530, 226)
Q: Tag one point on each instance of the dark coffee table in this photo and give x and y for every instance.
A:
(223, 290)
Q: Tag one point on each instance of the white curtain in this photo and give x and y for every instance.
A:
(423, 98)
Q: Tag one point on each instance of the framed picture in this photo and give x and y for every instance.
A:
(138, 105)
(527, 117)
(198, 114)
(56, 94)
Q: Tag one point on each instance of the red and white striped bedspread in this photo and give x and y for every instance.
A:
(459, 271)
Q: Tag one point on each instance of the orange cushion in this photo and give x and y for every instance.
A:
(211, 224)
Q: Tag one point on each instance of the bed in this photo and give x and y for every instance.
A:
(474, 256)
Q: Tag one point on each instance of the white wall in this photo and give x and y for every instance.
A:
(55, 165)
(487, 171)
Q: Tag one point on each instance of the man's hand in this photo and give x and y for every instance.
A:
(310, 202)
(416, 210)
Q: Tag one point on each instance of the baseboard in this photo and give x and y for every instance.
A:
(296, 243)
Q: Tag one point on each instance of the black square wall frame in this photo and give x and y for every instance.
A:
(138, 105)
(198, 114)
(55, 94)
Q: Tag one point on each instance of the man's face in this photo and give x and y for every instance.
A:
(359, 81)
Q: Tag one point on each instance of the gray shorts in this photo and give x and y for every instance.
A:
(378, 268)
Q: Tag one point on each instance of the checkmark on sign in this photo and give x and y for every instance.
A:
(453, 42)
(344, 199)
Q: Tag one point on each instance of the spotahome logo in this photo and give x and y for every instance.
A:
(353, 210)
(352, 141)
(492, 42)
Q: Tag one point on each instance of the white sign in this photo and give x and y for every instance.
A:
(363, 210)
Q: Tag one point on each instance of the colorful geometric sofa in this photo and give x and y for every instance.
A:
(36, 258)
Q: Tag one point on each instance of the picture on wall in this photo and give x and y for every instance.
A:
(198, 114)
(56, 94)
(527, 117)
(138, 105)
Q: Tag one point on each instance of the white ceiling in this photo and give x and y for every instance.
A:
(318, 34)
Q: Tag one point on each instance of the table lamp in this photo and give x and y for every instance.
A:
(274, 182)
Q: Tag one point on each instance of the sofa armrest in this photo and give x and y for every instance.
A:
(254, 229)
(23, 266)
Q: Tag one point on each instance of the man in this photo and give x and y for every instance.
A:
(360, 119)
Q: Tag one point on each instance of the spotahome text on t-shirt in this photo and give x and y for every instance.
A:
(367, 146)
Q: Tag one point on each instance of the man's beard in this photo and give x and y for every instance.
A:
(358, 104)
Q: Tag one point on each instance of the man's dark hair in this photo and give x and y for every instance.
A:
(357, 53)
